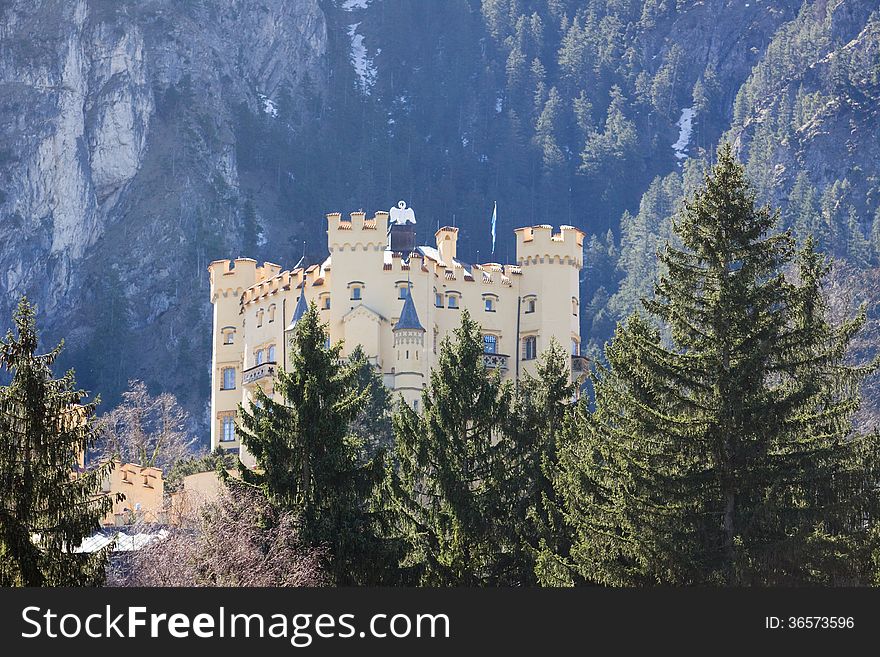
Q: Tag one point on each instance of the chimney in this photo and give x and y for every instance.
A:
(447, 239)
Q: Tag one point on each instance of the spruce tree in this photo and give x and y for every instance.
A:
(449, 488)
(721, 449)
(308, 460)
(539, 411)
(48, 504)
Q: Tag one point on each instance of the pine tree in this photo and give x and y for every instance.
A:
(309, 461)
(727, 456)
(45, 429)
(539, 411)
(449, 491)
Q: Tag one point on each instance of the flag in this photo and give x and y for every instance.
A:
(494, 217)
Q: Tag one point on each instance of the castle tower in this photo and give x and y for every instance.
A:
(410, 362)
(229, 279)
(549, 290)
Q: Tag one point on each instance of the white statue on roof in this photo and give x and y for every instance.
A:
(402, 214)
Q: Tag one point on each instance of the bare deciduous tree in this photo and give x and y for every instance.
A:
(240, 539)
(147, 430)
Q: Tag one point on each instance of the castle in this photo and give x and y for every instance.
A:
(397, 300)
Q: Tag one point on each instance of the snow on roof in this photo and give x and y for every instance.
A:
(124, 541)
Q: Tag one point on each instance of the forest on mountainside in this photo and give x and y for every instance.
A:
(250, 121)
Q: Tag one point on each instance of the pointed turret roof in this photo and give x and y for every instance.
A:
(409, 318)
(299, 311)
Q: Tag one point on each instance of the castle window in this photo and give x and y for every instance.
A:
(272, 313)
(402, 291)
(489, 302)
(530, 347)
(259, 358)
(228, 429)
(327, 343)
(438, 300)
(271, 353)
(531, 304)
(574, 306)
(490, 344)
(452, 302)
(228, 378)
(228, 336)
(416, 405)
(325, 302)
(575, 347)
(259, 317)
(356, 291)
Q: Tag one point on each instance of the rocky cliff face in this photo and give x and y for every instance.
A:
(118, 172)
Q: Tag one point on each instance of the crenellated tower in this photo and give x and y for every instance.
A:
(549, 288)
(229, 280)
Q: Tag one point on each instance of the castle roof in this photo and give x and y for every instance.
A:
(409, 319)
(300, 309)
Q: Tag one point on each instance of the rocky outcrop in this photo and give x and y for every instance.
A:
(118, 162)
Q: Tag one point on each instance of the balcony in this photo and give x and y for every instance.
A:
(254, 374)
(495, 361)
(580, 366)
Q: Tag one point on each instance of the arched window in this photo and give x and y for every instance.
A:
(228, 382)
(490, 344)
(259, 317)
(260, 357)
(574, 306)
(271, 353)
(272, 313)
(228, 336)
(489, 302)
(531, 304)
(356, 290)
(452, 300)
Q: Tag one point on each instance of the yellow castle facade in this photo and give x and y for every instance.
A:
(395, 299)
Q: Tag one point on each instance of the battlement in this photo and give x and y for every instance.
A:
(540, 245)
(357, 232)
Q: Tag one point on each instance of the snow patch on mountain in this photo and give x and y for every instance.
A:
(685, 128)
(362, 62)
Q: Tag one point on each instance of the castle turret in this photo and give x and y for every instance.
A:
(409, 346)
(447, 243)
(229, 279)
(550, 288)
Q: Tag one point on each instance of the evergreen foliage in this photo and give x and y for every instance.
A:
(308, 461)
(726, 456)
(449, 491)
(48, 504)
(539, 410)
